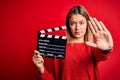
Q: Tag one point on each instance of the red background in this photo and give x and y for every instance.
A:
(21, 19)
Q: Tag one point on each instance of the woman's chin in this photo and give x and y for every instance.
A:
(78, 36)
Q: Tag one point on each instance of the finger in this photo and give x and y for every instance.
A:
(39, 62)
(91, 44)
(37, 53)
(37, 56)
(93, 24)
(97, 24)
(38, 59)
(35, 60)
(103, 26)
(91, 28)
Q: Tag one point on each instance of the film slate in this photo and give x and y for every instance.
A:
(52, 46)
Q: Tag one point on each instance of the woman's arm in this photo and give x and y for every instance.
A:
(39, 62)
(103, 44)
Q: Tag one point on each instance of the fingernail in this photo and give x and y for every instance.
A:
(36, 53)
(94, 18)
(90, 17)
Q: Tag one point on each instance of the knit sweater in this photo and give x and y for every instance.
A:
(80, 63)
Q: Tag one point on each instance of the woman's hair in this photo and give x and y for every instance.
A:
(82, 11)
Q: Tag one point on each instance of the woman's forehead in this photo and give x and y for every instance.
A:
(77, 17)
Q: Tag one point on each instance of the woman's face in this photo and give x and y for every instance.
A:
(78, 25)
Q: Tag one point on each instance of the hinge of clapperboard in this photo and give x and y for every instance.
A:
(42, 32)
(53, 29)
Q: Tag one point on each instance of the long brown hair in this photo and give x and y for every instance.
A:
(78, 10)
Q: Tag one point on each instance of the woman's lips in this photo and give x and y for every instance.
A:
(78, 33)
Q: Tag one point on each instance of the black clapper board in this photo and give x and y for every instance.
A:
(51, 46)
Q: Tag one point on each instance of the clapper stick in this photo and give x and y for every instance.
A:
(51, 46)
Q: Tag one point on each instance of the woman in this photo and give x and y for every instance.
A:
(82, 55)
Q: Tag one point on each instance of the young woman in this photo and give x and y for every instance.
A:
(88, 42)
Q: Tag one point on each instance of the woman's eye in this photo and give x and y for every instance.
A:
(82, 23)
(72, 24)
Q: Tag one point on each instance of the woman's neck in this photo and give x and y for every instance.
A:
(75, 40)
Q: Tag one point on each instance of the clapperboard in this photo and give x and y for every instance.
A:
(51, 46)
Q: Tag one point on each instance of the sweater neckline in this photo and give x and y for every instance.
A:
(75, 44)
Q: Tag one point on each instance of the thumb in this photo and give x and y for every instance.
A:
(91, 44)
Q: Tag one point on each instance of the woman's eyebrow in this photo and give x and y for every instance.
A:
(75, 21)
(82, 20)
(72, 21)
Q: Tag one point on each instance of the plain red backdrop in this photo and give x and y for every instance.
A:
(21, 19)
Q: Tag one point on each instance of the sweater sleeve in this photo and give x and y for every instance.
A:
(99, 55)
(46, 76)
(49, 72)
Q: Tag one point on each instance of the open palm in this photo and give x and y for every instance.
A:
(103, 38)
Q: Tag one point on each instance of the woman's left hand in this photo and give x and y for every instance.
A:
(103, 38)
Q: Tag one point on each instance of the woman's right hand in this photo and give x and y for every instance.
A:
(38, 61)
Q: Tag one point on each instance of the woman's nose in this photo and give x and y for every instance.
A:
(77, 26)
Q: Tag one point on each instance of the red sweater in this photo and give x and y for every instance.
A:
(80, 63)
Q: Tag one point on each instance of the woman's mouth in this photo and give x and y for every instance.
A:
(77, 33)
